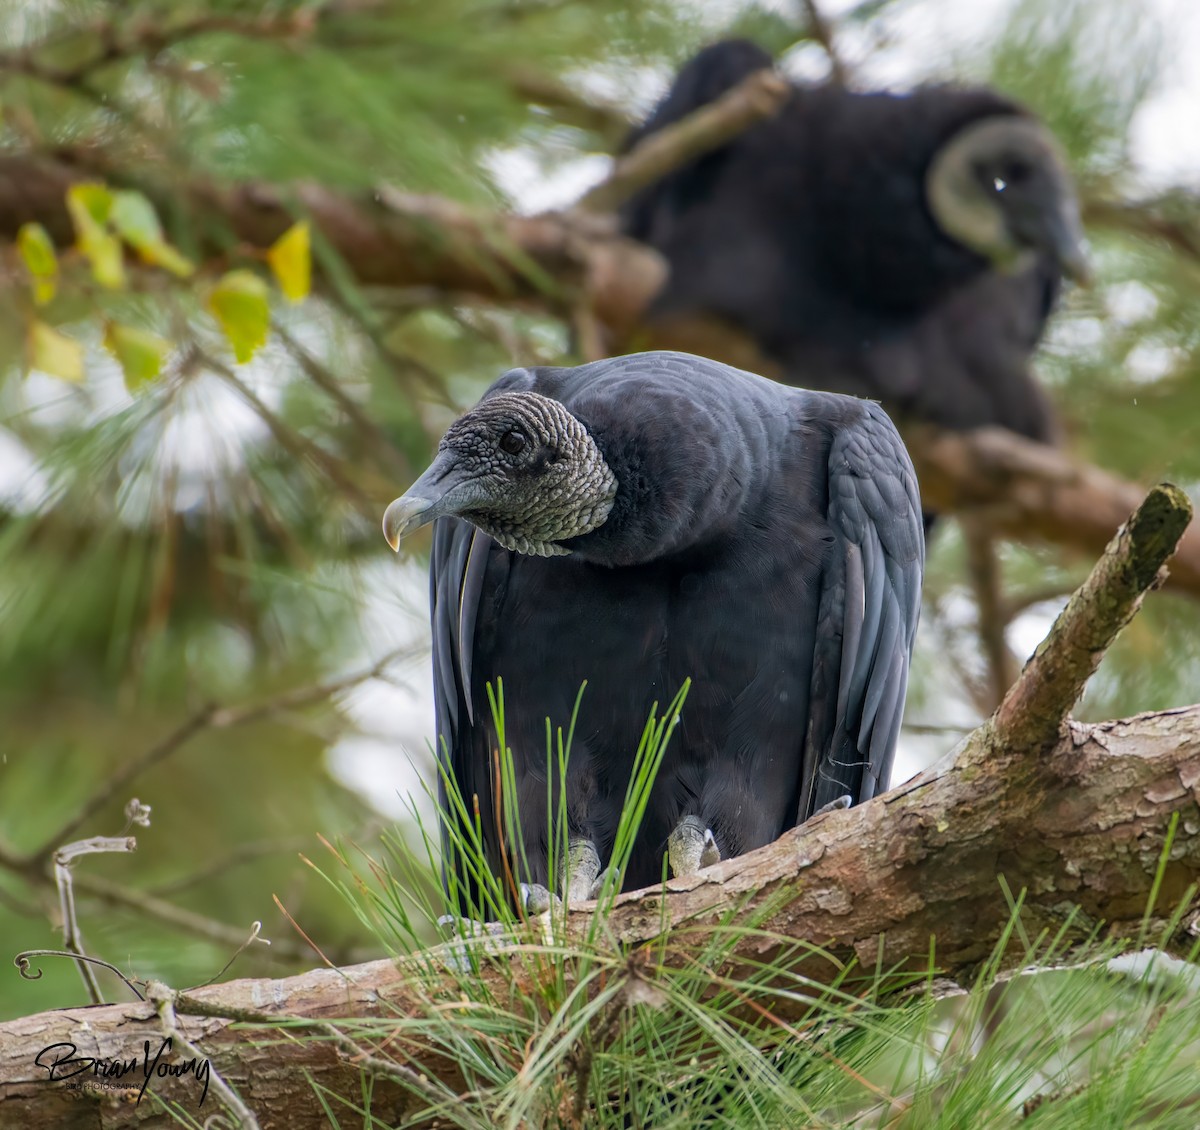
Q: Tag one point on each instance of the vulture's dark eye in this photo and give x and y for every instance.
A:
(512, 442)
(1015, 172)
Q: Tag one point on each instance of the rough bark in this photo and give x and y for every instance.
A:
(1079, 823)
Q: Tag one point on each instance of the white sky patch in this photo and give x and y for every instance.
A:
(24, 486)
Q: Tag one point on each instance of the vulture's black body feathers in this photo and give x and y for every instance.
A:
(763, 541)
(813, 232)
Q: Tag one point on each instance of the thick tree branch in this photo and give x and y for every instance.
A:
(1028, 491)
(1079, 826)
(1080, 829)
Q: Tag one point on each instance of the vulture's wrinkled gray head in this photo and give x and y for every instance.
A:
(518, 466)
(1001, 188)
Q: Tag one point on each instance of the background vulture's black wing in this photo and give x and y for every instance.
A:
(457, 567)
(867, 619)
(649, 214)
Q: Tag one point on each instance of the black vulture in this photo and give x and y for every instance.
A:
(908, 248)
(642, 520)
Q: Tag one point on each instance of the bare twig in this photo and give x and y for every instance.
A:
(254, 936)
(22, 962)
(821, 30)
(983, 568)
(64, 859)
(1171, 219)
(756, 97)
(295, 444)
(388, 456)
(164, 1002)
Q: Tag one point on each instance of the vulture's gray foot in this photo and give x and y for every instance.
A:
(579, 874)
(844, 801)
(691, 846)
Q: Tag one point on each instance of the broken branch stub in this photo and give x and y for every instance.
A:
(1033, 711)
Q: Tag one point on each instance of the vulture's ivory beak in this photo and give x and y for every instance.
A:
(409, 512)
(441, 490)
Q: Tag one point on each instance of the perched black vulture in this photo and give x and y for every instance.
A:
(908, 248)
(643, 520)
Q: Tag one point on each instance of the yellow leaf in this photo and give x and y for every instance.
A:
(54, 353)
(37, 250)
(90, 206)
(137, 223)
(240, 303)
(290, 258)
(139, 352)
(169, 258)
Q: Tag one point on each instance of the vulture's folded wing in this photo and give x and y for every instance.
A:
(870, 603)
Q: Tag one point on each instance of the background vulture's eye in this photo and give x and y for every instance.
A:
(512, 442)
(1015, 172)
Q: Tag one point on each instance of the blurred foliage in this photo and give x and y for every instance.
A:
(212, 535)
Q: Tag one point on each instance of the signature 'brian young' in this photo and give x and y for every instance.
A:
(61, 1062)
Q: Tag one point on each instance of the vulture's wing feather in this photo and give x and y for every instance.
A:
(867, 619)
(458, 564)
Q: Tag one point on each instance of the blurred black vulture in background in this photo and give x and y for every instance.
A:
(643, 520)
(907, 248)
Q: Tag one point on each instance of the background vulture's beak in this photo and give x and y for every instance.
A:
(1067, 244)
(435, 493)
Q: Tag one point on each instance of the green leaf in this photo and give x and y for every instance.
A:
(90, 206)
(240, 302)
(54, 353)
(37, 250)
(137, 223)
(140, 353)
(290, 258)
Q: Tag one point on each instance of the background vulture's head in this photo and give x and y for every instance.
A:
(1000, 187)
(518, 466)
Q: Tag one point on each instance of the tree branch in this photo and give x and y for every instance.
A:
(756, 97)
(1031, 492)
(1078, 825)
(983, 568)
(1032, 713)
(820, 29)
(1018, 488)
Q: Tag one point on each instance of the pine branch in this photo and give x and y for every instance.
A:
(121, 40)
(205, 719)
